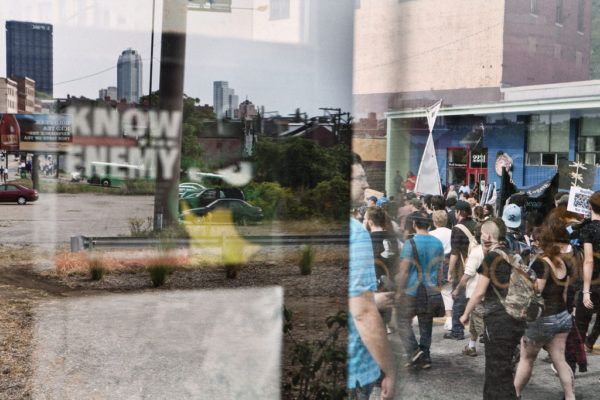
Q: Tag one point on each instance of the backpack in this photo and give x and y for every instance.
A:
(523, 301)
(472, 241)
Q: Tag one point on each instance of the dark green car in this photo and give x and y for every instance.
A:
(241, 211)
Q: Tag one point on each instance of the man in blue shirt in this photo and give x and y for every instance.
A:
(368, 347)
(430, 255)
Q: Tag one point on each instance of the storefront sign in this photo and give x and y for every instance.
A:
(456, 164)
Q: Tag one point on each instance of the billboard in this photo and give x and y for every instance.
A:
(46, 133)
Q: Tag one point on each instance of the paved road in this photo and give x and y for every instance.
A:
(55, 217)
(455, 376)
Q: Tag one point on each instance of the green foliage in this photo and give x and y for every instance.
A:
(299, 163)
(159, 273)
(97, 270)
(137, 186)
(320, 366)
(307, 260)
(331, 198)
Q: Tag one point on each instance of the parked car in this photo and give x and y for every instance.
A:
(12, 192)
(188, 188)
(207, 196)
(241, 211)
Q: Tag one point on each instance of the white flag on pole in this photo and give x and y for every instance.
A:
(432, 112)
(428, 178)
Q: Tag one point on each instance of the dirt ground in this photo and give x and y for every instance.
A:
(311, 298)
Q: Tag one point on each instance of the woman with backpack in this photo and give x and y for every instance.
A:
(551, 329)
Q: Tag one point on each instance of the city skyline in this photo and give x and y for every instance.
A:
(304, 61)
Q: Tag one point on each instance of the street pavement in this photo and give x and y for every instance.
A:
(455, 376)
(210, 344)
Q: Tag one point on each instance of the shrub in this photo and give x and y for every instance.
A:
(330, 198)
(307, 260)
(232, 270)
(139, 227)
(97, 270)
(159, 273)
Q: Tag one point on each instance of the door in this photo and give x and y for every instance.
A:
(477, 170)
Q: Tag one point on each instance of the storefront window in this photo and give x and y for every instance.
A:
(548, 138)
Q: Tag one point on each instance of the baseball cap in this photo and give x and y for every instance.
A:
(372, 198)
(381, 201)
(512, 216)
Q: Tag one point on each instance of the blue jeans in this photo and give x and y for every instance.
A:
(362, 392)
(458, 309)
(405, 312)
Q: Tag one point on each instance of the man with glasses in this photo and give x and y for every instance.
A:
(368, 347)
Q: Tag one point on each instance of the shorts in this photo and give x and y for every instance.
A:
(476, 321)
(544, 329)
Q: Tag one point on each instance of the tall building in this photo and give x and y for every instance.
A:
(25, 94)
(129, 76)
(220, 97)
(233, 110)
(110, 91)
(29, 53)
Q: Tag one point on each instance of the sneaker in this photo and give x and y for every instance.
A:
(448, 324)
(588, 348)
(553, 369)
(417, 355)
(469, 351)
(425, 363)
(450, 336)
(389, 330)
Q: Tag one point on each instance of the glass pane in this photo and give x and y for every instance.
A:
(539, 133)
(549, 159)
(456, 176)
(457, 157)
(559, 138)
(533, 158)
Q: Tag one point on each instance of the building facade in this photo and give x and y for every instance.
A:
(409, 54)
(220, 97)
(25, 94)
(29, 53)
(8, 96)
(110, 92)
(129, 76)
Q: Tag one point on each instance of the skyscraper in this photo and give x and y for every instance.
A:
(220, 97)
(129, 76)
(29, 53)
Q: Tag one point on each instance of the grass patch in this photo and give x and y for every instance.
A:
(97, 270)
(159, 273)
(307, 260)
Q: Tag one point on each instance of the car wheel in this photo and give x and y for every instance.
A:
(21, 200)
(105, 182)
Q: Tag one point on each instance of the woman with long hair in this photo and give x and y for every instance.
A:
(551, 329)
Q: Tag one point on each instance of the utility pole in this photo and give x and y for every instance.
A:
(172, 63)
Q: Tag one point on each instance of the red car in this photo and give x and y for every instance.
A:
(12, 192)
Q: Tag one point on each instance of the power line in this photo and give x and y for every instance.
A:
(95, 73)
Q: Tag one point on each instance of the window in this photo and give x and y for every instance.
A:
(580, 11)
(559, 12)
(548, 139)
(533, 7)
(588, 141)
(279, 9)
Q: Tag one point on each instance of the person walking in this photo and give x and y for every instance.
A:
(420, 271)
(551, 329)
(440, 222)
(502, 332)
(369, 352)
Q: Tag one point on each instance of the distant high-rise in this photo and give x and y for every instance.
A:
(29, 53)
(220, 98)
(129, 76)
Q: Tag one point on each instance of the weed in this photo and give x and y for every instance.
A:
(307, 260)
(140, 227)
(232, 270)
(321, 365)
(97, 269)
(159, 273)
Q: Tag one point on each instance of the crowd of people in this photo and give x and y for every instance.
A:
(451, 256)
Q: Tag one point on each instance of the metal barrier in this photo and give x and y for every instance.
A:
(79, 243)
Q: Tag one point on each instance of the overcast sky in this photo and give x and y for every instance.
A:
(304, 61)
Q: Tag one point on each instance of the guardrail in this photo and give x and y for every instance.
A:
(79, 243)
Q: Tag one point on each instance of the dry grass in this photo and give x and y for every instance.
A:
(67, 263)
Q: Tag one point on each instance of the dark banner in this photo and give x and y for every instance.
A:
(574, 173)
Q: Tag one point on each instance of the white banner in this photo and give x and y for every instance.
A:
(579, 200)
